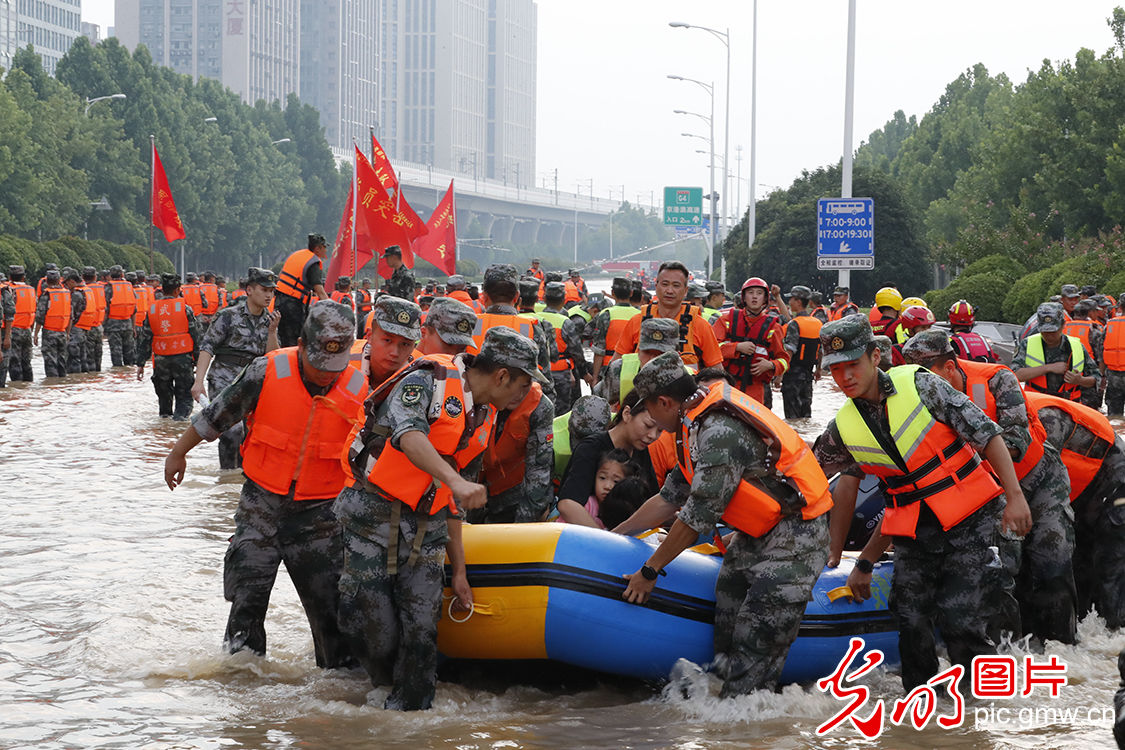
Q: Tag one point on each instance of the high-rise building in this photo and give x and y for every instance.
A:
(92, 31)
(340, 65)
(252, 46)
(51, 26)
(458, 85)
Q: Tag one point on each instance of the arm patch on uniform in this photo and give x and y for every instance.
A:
(412, 394)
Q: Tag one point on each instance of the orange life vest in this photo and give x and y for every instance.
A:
(537, 273)
(99, 300)
(169, 323)
(519, 323)
(58, 309)
(123, 304)
(977, 375)
(1075, 361)
(690, 353)
(808, 341)
(753, 509)
(210, 292)
(1081, 466)
(504, 464)
(237, 294)
(363, 299)
(619, 317)
(291, 280)
(193, 296)
(461, 296)
(344, 298)
(294, 437)
(25, 305)
(662, 454)
(89, 317)
(145, 296)
(1114, 348)
(1080, 329)
(451, 434)
(931, 463)
(848, 308)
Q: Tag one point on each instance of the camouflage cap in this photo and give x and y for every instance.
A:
(1085, 306)
(116, 269)
(71, 275)
(841, 290)
(89, 271)
(317, 240)
(659, 334)
(456, 281)
(846, 339)
(150, 277)
(658, 374)
(695, 290)
(800, 292)
(453, 320)
(52, 274)
(132, 277)
(553, 276)
(328, 335)
(170, 279)
(262, 277)
(510, 349)
(15, 270)
(50, 267)
(392, 250)
(575, 272)
(398, 316)
(501, 272)
(589, 416)
(535, 260)
(715, 287)
(343, 281)
(1104, 300)
(529, 290)
(1089, 290)
(190, 277)
(1050, 317)
(885, 345)
(554, 290)
(1055, 298)
(1069, 290)
(816, 298)
(925, 346)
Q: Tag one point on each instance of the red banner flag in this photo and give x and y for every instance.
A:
(164, 214)
(382, 165)
(439, 245)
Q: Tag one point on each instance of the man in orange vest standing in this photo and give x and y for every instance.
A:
(944, 508)
(610, 322)
(300, 283)
(535, 271)
(1114, 357)
(728, 471)
(1084, 327)
(121, 304)
(54, 315)
(752, 342)
(171, 334)
(298, 404)
(95, 293)
(802, 341)
(83, 300)
(19, 359)
(423, 436)
(1053, 363)
(7, 315)
(698, 346)
(842, 305)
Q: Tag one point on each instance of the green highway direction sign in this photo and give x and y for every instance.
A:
(683, 206)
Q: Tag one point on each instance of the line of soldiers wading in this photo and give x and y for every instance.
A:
(363, 457)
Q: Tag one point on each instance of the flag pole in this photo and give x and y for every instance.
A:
(151, 206)
(355, 208)
(453, 210)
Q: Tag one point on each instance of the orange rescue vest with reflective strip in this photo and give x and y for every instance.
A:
(192, 294)
(1080, 329)
(89, 317)
(145, 295)
(504, 465)
(1081, 466)
(25, 305)
(210, 292)
(123, 302)
(977, 375)
(1113, 351)
(291, 280)
(292, 436)
(752, 509)
(58, 309)
(519, 323)
(169, 323)
(808, 340)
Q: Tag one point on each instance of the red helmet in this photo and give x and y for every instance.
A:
(752, 282)
(915, 316)
(961, 313)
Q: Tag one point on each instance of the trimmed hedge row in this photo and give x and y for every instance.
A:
(76, 253)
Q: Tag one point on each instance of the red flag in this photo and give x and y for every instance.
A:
(439, 245)
(164, 214)
(382, 165)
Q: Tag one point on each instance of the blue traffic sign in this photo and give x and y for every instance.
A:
(845, 233)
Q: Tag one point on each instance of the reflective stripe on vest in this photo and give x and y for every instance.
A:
(123, 304)
(58, 309)
(89, 317)
(1036, 358)
(977, 376)
(933, 464)
(210, 292)
(169, 323)
(292, 437)
(619, 317)
(557, 319)
(504, 465)
(193, 298)
(1080, 329)
(972, 346)
(753, 509)
(145, 295)
(1114, 348)
(25, 305)
(519, 323)
(1081, 465)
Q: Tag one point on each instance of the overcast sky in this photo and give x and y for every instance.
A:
(605, 102)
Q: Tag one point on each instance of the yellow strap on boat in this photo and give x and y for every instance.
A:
(839, 593)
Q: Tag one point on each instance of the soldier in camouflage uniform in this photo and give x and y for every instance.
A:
(1115, 379)
(272, 527)
(238, 334)
(93, 361)
(7, 315)
(1099, 517)
(765, 581)
(797, 382)
(885, 346)
(1087, 310)
(500, 295)
(569, 332)
(949, 579)
(76, 337)
(401, 283)
(658, 335)
(589, 416)
(1042, 563)
(54, 347)
(621, 289)
(391, 586)
(172, 375)
(1056, 359)
(119, 333)
(19, 357)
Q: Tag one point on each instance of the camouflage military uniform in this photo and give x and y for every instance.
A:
(234, 339)
(119, 335)
(390, 602)
(1099, 521)
(797, 382)
(765, 582)
(76, 340)
(1060, 353)
(52, 344)
(599, 330)
(657, 335)
(172, 376)
(609, 382)
(94, 349)
(567, 388)
(528, 501)
(1092, 397)
(270, 529)
(401, 283)
(950, 579)
(1114, 392)
(7, 314)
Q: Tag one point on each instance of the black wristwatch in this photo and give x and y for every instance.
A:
(864, 566)
(650, 573)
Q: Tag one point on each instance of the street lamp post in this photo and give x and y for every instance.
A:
(710, 89)
(97, 99)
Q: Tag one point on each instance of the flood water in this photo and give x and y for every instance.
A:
(112, 614)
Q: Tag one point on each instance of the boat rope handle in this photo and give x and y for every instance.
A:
(839, 593)
(484, 609)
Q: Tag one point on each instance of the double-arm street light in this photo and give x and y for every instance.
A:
(97, 99)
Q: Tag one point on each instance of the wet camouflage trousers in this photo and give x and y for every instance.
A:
(94, 350)
(219, 377)
(1099, 558)
(172, 377)
(76, 351)
(949, 580)
(566, 390)
(271, 529)
(292, 319)
(796, 393)
(1114, 392)
(391, 618)
(19, 356)
(5, 355)
(119, 336)
(52, 344)
(760, 597)
(1042, 563)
